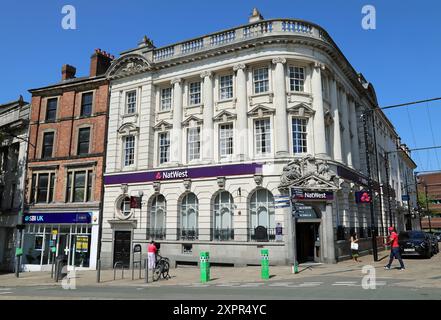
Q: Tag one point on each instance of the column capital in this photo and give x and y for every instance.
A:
(239, 66)
(279, 60)
(206, 74)
(319, 65)
(176, 80)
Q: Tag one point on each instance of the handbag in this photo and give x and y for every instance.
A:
(354, 246)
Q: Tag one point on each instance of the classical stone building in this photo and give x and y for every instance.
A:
(67, 137)
(216, 134)
(14, 120)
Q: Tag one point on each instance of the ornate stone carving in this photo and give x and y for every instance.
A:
(319, 65)
(131, 66)
(279, 60)
(239, 66)
(221, 182)
(258, 179)
(308, 173)
(128, 65)
(124, 188)
(206, 74)
(157, 186)
(176, 80)
(187, 184)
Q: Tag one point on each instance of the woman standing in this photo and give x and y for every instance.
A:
(354, 247)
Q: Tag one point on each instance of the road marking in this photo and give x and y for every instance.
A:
(250, 285)
(346, 283)
(280, 284)
(7, 292)
(228, 285)
(5, 289)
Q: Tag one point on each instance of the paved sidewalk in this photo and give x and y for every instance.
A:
(419, 273)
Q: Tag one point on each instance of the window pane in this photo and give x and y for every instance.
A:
(193, 143)
(263, 136)
(195, 93)
(226, 87)
(297, 79)
(299, 139)
(52, 187)
(225, 140)
(69, 186)
(48, 143)
(261, 83)
(129, 150)
(51, 109)
(164, 147)
(131, 102)
(83, 141)
(43, 181)
(89, 185)
(79, 186)
(166, 98)
(86, 104)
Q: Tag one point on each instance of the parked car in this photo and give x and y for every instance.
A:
(434, 243)
(415, 243)
(438, 236)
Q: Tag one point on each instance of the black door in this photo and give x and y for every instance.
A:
(306, 237)
(121, 247)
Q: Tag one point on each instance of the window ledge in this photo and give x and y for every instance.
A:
(194, 106)
(164, 111)
(298, 93)
(263, 94)
(129, 115)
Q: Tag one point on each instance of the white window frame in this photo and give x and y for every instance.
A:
(222, 155)
(124, 142)
(165, 102)
(262, 80)
(229, 87)
(255, 134)
(306, 136)
(192, 96)
(190, 144)
(129, 104)
(296, 84)
(160, 146)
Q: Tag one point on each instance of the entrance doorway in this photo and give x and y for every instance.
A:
(308, 242)
(121, 247)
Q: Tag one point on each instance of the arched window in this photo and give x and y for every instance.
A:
(223, 216)
(189, 217)
(156, 221)
(262, 211)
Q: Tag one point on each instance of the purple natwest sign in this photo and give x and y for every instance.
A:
(59, 217)
(184, 173)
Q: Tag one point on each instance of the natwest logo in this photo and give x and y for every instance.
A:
(174, 174)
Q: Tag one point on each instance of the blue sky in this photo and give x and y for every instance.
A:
(401, 57)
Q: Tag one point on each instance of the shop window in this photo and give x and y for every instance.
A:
(189, 217)
(262, 213)
(223, 216)
(156, 221)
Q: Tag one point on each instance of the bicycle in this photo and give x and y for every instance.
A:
(162, 268)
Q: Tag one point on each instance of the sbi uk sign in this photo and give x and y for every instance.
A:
(58, 218)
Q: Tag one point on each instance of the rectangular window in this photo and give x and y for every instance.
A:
(86, 104)
(225, 140)
(129, 150)
(261, 80)
(195, 93)
(299, 139)
(297, 79)
(131, 102)
(166, 99)
(79, 186)
(164, 147)
(194, 144)
(48, 145)
(83, 141)
(42, 187)
(226, 87)
(51, 109)
(263, 136)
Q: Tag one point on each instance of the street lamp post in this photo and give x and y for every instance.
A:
(427, 208)
(373, 224)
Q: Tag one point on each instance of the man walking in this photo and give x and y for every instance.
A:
(395, 249)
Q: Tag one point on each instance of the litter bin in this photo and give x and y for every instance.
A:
(60, 267)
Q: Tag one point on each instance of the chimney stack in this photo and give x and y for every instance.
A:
(99, 62)
(68, 72)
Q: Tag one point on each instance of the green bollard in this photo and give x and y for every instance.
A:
(205, 266)
(296, 267)
(265, 264)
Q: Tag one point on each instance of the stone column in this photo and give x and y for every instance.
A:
(281, 119)
(208, 127)
(329, 256)
(354, 129)
(319, 116)
(346, 133)
(241, 143)
(176, 134)
(338, 154)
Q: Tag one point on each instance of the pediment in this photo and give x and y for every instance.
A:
(261, 110)
(313, 182)
(128, 65)
(128, 128)
(163, 125)
(191, 120)
(225, 116)
(301, 110)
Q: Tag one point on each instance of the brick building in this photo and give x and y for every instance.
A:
(431, 183)
(66, 158)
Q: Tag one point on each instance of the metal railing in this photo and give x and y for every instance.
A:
(267, 236)
(115, 266)
(156, 233)
(219, 234)
(189, 234)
